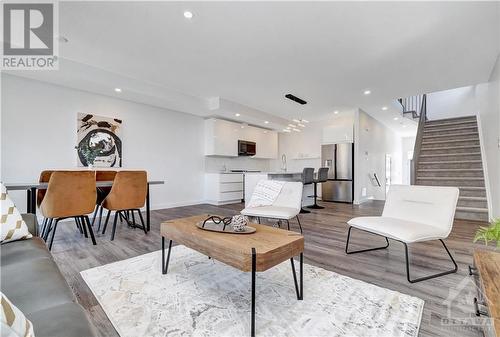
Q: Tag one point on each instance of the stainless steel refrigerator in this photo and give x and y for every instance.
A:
(339, 158)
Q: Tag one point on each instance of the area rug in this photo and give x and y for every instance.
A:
(202, 297)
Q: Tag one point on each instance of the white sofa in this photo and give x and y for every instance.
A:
(412, 214)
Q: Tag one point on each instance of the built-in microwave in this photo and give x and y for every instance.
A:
(246, 148)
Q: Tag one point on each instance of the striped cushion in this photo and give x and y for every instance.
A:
(14, 323)
(12, 226)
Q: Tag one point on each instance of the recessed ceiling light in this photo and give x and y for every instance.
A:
(296, 120)
(396, 118)
(292, 125)
(266, 122)
(118, 90)
(404, 126)
(305, 121)
(188, 15)
(296, 130)
(301, 125)
(384, 108)
(336, 112)
(286, 130)
(367, 92)
(237, 115)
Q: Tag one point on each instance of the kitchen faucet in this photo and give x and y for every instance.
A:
(283, 162)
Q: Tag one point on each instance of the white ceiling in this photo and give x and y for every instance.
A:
(252, 53)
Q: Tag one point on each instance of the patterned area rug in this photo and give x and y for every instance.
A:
(202, 297)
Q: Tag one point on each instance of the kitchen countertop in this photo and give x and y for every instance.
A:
(264, 173)
(275, 173)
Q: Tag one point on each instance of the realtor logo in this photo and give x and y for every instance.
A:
(28, 36)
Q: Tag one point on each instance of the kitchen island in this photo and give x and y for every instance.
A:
(252, 178)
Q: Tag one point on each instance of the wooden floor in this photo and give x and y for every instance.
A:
(325, 235)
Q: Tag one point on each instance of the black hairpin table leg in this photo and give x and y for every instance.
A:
(254, 267)
(299, 288)
(164, 265)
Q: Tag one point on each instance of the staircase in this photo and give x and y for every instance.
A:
(450, 155)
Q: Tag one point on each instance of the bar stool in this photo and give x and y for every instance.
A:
(70, 194)
(307, 179)
(128, 194)
(102, 192)
(321, 178)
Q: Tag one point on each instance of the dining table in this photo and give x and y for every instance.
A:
(31, 192)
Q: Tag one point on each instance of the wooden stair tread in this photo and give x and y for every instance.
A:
(452, 162)
(449, 147)
(451, 129)
(451, 135)
(450, 154)
(472, 209)
(433, 125)
(448, 170)
(450, 178)
(451, 141)
(472, 198)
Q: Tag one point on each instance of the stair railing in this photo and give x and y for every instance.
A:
(412, 104)
(418, 141)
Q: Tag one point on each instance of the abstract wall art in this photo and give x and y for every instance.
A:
(99, 142)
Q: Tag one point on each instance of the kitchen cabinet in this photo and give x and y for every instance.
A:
(267, 144)
(223, 188)
(221, 139)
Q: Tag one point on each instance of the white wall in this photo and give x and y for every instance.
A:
(1, 75)
(372, 141)
(408, 144)
(451, 103)
(488, 107)
(38, 131)
(303, 149)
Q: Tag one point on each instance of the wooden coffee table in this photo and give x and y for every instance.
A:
(255, 252)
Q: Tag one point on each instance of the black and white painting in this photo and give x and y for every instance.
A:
(99, 142)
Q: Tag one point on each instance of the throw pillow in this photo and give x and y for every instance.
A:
(14, 323)
(12, 225)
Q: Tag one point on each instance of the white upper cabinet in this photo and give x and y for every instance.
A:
(267, 144)
(221, 139)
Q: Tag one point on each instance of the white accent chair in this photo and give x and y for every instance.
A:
(286, 206)
(412, 214)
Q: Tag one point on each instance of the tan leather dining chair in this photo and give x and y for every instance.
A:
(128, 194)
(44, 178)
(70, 194)
(102, 192)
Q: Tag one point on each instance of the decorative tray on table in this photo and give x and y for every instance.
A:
(234, 225)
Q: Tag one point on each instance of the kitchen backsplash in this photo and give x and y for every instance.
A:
(217, 164)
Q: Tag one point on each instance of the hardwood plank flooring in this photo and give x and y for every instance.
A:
(325, 234)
